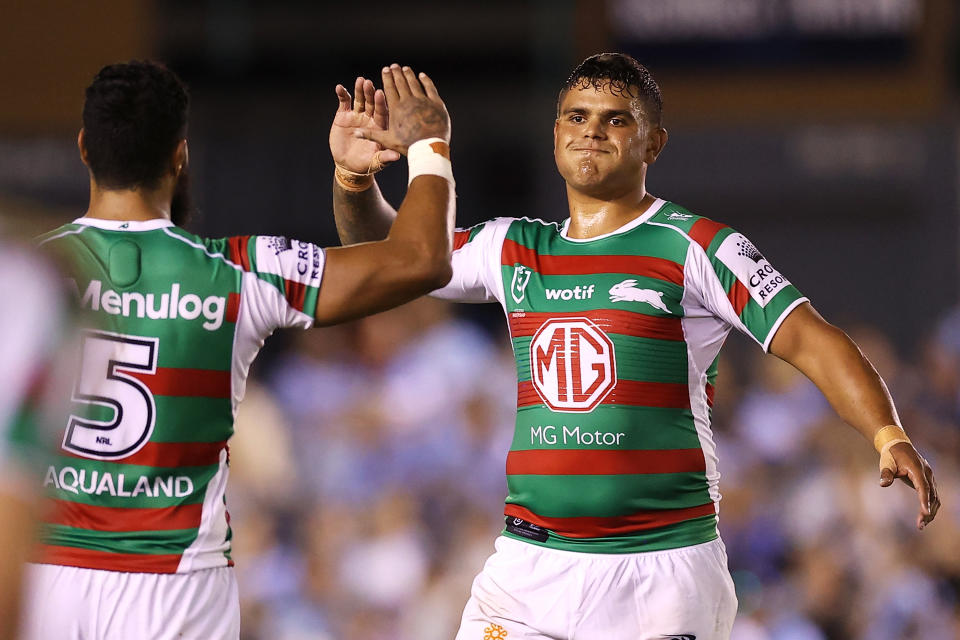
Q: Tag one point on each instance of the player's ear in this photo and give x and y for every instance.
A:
(181, 157)
(656, 141)
(81, 145)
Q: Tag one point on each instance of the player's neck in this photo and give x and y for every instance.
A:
(128, 204)
(591, 217)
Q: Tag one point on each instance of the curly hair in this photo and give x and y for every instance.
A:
(134, 115)
(624, 76)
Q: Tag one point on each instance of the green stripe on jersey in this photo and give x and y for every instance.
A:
(555, 496)
(673, 536)
(168, 541)
(644, 359)
(643, 427)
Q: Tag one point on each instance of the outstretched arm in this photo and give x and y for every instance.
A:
(827, 356)
(361, 212)
(414, 258)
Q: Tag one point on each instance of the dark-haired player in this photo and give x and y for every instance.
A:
(137, 542)
(617, 316)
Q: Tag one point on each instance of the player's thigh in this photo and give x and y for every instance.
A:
(84, 604)
(520, 593)
(679, 593)
(57, 603)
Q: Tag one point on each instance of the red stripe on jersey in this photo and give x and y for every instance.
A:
(626, 392)
(233, 307)
(460, 238)
(626, 323)
(595, 527)
(106, 560)
(738, 296)
(198, 383)
(296, 294)
(239, 251)
(96, 518)
(710, 391)
(704, 231)
(577, 462)
(549, 265)
(170, 454)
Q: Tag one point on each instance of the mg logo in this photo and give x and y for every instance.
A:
(573, 364)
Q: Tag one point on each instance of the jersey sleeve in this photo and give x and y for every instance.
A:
(735, 282)
(476, 263)
(288, 274)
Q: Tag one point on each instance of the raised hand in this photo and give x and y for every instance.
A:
(367, 109)
(416, 111)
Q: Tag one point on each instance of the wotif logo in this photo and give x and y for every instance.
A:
(577, 293)
(572, 364)
(166, 306)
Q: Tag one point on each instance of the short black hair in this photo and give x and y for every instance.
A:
(134, 115)
(624, 75)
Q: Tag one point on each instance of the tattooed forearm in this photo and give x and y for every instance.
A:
(361, 216)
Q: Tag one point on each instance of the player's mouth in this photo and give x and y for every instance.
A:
(589, 150)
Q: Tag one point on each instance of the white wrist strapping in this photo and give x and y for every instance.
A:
(430, 156)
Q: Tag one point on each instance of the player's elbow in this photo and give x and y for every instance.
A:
(427, 266)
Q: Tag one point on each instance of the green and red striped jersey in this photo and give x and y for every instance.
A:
(616, 340)
(171, 323)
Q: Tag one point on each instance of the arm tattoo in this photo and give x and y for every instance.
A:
(419, 118)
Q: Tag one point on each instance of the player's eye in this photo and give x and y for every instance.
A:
(577, 118)
(617, 122)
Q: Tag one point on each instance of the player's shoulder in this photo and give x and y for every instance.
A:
(696, 229)
(63, 231)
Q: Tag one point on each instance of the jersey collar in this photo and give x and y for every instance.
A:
(633, 224)
(125, 225)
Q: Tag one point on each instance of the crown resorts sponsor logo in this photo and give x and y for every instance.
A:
(628, 291)
(572, 362)
(762, 281)
(165, 306)
(518, 286)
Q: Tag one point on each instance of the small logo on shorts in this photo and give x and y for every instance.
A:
(681, 636)
(494, 632)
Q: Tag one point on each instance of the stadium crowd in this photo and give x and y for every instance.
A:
(368, 481)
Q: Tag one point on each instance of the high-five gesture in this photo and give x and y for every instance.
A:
(415, 111)
(366, 109)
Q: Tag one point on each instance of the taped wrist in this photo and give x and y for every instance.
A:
(886, 438)
(430, 156)
(351, 180)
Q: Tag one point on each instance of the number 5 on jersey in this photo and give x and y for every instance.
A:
(104, 381)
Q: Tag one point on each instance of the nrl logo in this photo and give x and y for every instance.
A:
(521, 278)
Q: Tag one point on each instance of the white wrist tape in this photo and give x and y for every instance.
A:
(431, 157)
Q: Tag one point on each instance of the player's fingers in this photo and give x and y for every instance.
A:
(412, 82)
(382, 158)
(389, 86)
(358, 98)
(368, 97)
(343, 97)
(399, 80)
(381, 115)
(923, 492)
(886, 477)
(429, 87)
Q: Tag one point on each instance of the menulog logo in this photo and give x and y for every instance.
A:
(572, 362)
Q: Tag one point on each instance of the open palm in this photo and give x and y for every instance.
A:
(367, 110)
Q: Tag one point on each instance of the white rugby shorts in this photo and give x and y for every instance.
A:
(69, 603)
(530, 592)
